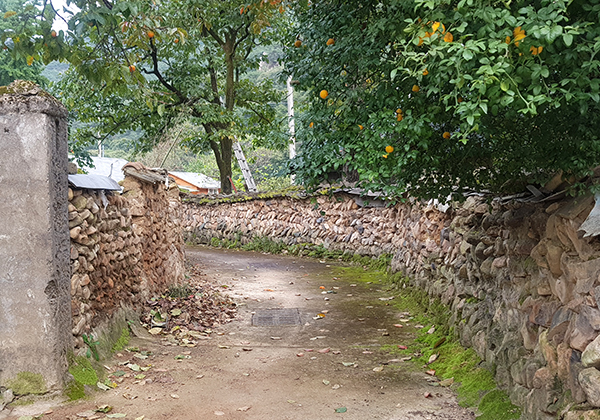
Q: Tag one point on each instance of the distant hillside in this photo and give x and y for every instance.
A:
(53, 71)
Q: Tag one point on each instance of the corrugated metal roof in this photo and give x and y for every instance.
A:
(197, 179)
(94, 182)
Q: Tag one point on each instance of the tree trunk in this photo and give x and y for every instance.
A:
(223, 151)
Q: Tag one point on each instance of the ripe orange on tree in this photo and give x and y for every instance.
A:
(416, 88)
(53, 34)
(131, 68)
(311, 125)
(446, 135)
(324, 94)
(298, 43)
(330, 41)
(389, 149)
(360, 127)
(150, 34)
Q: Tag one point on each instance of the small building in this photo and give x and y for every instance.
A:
(196, 183)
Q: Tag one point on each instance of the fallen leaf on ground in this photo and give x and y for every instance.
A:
(406, 359)
(219, 413)
(348, 364)
(432, 358)
(245, 408)
(275, 338)
(341, 410)
(427, 394)
(155, 330)
(300, 354)
(224, 347)
(431, 372)
(103, 409)
(129, 396)
(134, 367)
(378, 369)
(398, 325)
(447, 382)
(175, 396)
(116, 415)
(140, 418)
(336, 386)
(326, 382)
(431, 330)
(367, 352)
(401, 347)
(323, 351)
(102, 386)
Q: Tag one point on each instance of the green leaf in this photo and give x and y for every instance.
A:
(341, 410)
(567, 39)
(504, 85)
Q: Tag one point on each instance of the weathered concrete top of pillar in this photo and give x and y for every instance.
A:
(22, 96)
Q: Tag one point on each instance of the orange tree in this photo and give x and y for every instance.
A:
(148, 65)
(469, 94)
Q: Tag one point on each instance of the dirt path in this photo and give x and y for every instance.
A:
(277, 372)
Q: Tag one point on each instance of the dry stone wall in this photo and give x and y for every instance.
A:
(522, 282)
(124, 247)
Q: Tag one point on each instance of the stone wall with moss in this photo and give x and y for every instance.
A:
(519, 277)
(124, 247)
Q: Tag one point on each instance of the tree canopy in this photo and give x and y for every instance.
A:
(433, 96)
(21, 16)
(149, 66)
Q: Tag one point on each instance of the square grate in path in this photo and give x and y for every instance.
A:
(274, 317)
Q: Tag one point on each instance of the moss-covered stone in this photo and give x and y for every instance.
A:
(28, 383)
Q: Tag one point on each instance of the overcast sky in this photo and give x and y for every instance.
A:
(60, 24)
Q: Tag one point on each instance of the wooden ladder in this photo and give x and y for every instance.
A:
(239, 154)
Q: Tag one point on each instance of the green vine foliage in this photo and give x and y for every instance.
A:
(485, 95)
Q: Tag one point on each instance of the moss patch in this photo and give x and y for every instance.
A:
(83, 371)
(496, 405)
(75, 391)
(122, 341)
(28, 383)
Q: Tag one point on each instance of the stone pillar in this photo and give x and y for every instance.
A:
(35, 309)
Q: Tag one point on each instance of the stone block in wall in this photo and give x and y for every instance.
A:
(583, 333)
(590, 382)
(591, 355)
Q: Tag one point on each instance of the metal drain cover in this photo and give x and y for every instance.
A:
(279, 316)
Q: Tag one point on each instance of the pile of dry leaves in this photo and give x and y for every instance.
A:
(188, 311)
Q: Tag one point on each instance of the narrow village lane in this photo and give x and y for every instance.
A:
(328, 360)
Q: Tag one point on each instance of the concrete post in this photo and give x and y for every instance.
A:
(35, 309)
